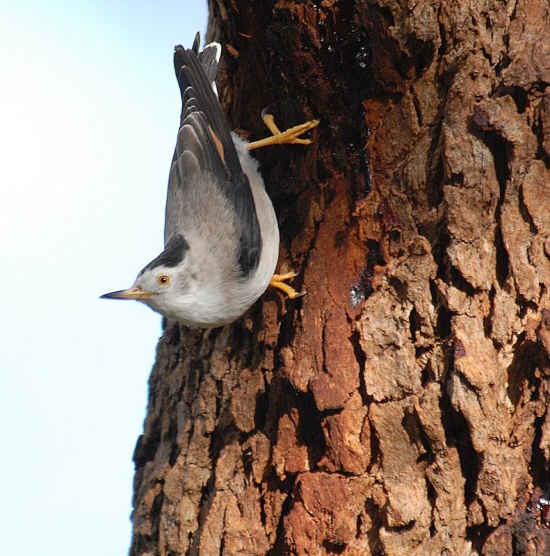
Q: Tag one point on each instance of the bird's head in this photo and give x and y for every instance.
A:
(161, 280)
(149, 287)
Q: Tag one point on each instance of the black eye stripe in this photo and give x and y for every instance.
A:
(172, 255)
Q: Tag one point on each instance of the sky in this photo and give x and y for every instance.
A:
(89, 111)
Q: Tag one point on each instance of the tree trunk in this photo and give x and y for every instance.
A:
(400, 408)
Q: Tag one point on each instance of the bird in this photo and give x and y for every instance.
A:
(221, 235)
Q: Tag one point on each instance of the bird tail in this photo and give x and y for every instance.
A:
(209, 59)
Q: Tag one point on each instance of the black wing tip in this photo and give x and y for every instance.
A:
(180, 52)
(197, 72)
(211, 53)
(181, 55)
(185, 57)
(196, 44)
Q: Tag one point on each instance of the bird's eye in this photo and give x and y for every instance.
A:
(163, 279)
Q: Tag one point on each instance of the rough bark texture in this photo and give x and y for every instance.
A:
(401, 407)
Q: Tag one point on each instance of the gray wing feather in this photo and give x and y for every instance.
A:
(205, 152)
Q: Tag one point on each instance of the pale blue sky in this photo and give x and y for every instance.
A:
(89, 110)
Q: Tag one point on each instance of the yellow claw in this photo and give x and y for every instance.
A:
(288, 137)
(278, 282)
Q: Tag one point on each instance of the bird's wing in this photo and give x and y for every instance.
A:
(205, 153)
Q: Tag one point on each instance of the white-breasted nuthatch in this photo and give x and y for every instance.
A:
(221, 234)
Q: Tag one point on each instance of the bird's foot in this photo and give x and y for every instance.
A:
(278, 282)
(289, 137)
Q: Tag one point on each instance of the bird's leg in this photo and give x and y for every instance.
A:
(278, 282)
(290, 136)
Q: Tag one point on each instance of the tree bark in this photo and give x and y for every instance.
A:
(401, 407)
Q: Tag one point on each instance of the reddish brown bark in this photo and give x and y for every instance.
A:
(401, 406)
